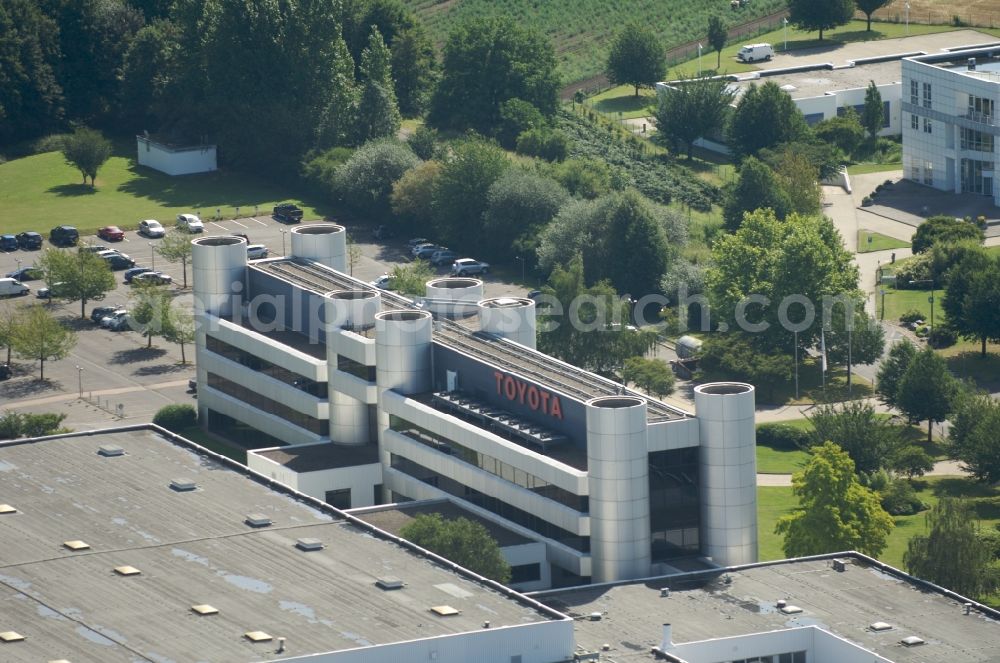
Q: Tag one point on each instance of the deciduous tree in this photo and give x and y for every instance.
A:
(77, 275)
(39, 335)
(765, 116)
(871, 441)
(693, 109)
(844, 131)
(717, 37)
(927, 390)
(180, 328)
(874, 111)
(637, 58)
(757, 187)
(461, 189)
(973, 437)
(952, 554)
(944, 229)
(463, 541)
(835, 512)
(365, 180)
(521, 204)
(651, 375)
(378, 111)
(411, 278)
(892, 370)
(86, 150)
(9, 320)
(485, 63)
(820, 14)
(176, 247)
(972, 299)
(150, 310)
(412, 196)
(869, 7)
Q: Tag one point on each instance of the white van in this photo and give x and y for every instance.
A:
(12, 288)
(755, 52)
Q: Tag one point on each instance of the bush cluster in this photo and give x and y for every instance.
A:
(783, 436)
(176, 418)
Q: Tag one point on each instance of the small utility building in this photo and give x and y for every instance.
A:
(175, 159)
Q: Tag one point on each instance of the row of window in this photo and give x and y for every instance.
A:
(356, 368)
(492, 504)
(976, 141)
(265, 404)
(915, 124)
(790, 657)
(674, 505)
(498, 468)
(255, 363)
(928, 172)
(915, 88)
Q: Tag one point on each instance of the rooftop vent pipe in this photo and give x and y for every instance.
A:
(972, 64)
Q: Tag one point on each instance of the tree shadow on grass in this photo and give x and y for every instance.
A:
(161, 369)
(134, 355)
(25, 387)
(72, 190)
(959, 487)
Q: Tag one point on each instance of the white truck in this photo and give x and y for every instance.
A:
(755, 52)
(12, 288)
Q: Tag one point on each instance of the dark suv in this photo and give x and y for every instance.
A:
(64, 236)
(288, 212)
(29, 240)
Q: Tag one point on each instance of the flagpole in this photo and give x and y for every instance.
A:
(849, 385)
(796, 365)
(822, 347)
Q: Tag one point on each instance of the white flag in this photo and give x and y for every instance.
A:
(822, 347)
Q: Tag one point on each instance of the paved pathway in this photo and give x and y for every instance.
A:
(944, 468)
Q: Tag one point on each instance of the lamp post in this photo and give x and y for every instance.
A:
(283, 233)
(882, 315)
(907, 8)
(785, 21)
(930, 299)
(152, 254)
(18, 260)
(699, 60)
(522, 266)
(79, 380)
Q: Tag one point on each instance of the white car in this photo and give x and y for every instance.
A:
(151, 228)
(382, 282)
(256, 251)
(468, 266)
(190, 222)
(108, 320)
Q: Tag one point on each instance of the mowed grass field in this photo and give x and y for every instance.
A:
(42, 191)
(582, 30)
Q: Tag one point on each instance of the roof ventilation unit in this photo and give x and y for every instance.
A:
(76, 546)
(878, 627)
(972, 64)
(257, 636)
(791, 610)
(594, 616)
(110, 451)
(781, 603)
(388, 583)
(127, 571)
(257, 520)
(6, 508)
(839, 565)
(183, 485)
(11, 636)
(911, 641)
(445, 611)
(204, 609)
(309, 544)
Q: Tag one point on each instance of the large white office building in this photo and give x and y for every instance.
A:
(364, 397)
(950, 121)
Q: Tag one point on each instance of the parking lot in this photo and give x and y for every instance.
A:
(115, 370)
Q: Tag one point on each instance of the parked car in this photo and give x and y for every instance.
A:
(29, 240)
(101, 312)
(534, 294)
(256, 251)
(121, 323)
(287, 212)
(443, 257)
(12, 288)
(64, 236)
(242, 236)
(468, 266)
(95, 248)
(46, 293)
(151, 228)
(4, 372)
(190, 223)
(116, 260)
(107, 320)
(417, 240)
(382, 232)
(382, 282)
(111, 234)
(416, 248)
(8, 242)
(151, 278)
(134, 272)
(425, 251)
(26, 274)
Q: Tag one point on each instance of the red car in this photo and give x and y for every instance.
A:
(111, 234)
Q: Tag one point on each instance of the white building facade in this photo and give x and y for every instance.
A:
(176, 160)
(449, 399)
(951, 130)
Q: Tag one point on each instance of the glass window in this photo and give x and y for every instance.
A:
(357, 369)
(339, 499)
(927, 126)
(525, 573)
(914, 122)
(929, 173)
(265, 404)
(914, 92)
(255, 363)
(927, 95)
(674, 511)
(799, 657)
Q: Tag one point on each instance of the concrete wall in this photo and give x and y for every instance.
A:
(547, 642)
(361, 479)
(182, 161)
(820, 646)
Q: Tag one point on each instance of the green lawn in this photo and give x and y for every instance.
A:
(42, 191)
(621, 103)
(797, 39)
(865, 168)
(780, 461)
(773, 502)
(898, 302)
(869, 240)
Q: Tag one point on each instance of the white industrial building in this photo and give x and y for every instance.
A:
(175, 159)
(384, 401)
(950, 121)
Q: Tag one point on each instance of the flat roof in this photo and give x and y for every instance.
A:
(818, 82)
(843, 603)
(193, 547)
(393, 519)
(570, 380)
(322, 456)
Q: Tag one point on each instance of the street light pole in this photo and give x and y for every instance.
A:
(785, 21)
(882, 315)
(907, 7)
(283, 233)
(522, 266)
(152, 254)
(699, 60)
(79, 380)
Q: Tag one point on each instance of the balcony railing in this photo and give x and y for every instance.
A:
(982, 118)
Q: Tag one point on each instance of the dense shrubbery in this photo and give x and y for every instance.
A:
(176, 418)
(658, 180)
(544, 143)
(783, 436)
(29, 424)
(365, 180)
